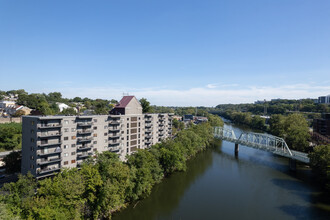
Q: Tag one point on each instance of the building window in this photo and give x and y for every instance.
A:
(94, 135)
(31, 166)
(73, 137)
(105, 127)
(139, 124)
(95, 120)
(32, 140)
(127, 119)
(94, 142)
(73, 145)
(66, 162)
(32, 149)
(66, 122)
(73, 153)
(32, 122)
(73, 161)
(127, 144)
(66, 146)
(73, 129)
(127, 150)
(32, 131)
(127, 125)
(66, 154)
(31, 157)
(105, 134)
(95, 128)
(66, 129)
(66, 138)
(105, 141)
(95, 150)
(127, 137)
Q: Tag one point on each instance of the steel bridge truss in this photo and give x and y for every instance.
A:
(260, 141)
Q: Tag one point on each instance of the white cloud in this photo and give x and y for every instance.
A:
(203, 96)
(211, 86)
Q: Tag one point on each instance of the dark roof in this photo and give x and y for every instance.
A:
(124, 101)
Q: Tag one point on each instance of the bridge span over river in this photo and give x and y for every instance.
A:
(261, 141)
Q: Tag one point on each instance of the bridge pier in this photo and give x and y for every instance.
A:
(292, 164)
(236, 148)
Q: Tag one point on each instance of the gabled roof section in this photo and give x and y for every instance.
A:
(124, 101)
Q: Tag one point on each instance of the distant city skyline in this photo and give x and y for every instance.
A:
(174, 53)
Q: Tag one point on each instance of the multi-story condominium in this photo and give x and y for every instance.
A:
(50, 143)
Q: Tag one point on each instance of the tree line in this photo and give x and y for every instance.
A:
(104, 184)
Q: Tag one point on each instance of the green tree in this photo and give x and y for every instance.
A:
(148, 172)
(13, 162)
(10, 136)
(214, 120)
(276, 125)
(145, 105)
(320, 162)
(296, 132)
(69, 111)
(17, 194)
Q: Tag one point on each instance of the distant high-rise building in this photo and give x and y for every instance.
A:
(324, 99)
(50, 143)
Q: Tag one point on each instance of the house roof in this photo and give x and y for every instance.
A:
(124, 101)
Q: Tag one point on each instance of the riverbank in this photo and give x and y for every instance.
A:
(103, 184)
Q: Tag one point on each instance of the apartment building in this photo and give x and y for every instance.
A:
(50, 143)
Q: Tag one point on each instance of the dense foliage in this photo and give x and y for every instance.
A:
(280, 106)
(320, 162)
(246, 118)
(10, 136)
(104, 184)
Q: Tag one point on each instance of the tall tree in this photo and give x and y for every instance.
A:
(145, 105)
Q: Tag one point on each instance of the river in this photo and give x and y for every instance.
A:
(219, 185)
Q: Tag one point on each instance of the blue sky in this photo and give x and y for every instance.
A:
(183, 52)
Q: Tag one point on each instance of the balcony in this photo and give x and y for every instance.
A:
(49, 144)
(148, 125)
(114, 123)
(148, 136)
(160, 129)
(114, 149)
(48, 170)
(48, 161)
(45, 126)
(161, 125)
(49, 152)
(114, 143)
(147, 131)
(86, 147)
(87, 139)
(84, 124)
(114, 129)
(46, 135)
(84, 155)
(86, 131)
(114, 136)
(161, 134)
(161, 115)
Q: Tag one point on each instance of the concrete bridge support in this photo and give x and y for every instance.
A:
(236, 148)
(293, 164)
